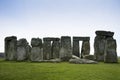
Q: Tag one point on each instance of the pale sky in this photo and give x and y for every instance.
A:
(56, 18)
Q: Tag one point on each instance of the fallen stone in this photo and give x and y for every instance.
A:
(57, 60)
(82, 61)
(90, 57)
(75, 57)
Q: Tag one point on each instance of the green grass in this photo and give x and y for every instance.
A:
(11, 70)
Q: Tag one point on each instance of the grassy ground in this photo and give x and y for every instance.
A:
(11, 70)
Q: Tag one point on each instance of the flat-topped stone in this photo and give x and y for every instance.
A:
(10, 37)
(51, 39)
(81, 38)
(105, 33)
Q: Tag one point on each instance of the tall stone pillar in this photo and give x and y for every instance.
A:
(10, 48)
(22, 52)
(110, 51)
(65, 50)
(55, 49)
(103, 41)
(76, 50)
(85, 50)
(47, 49)
(99, 48)
(37, 50)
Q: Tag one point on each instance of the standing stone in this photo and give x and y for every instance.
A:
(65, 50)
(22, 52)
(76, 50)
(47, 49)
(99, 47)
(110, 53)
(36, 51)
(55, 49)
(85, 50)
(100, 43)
(10, 47)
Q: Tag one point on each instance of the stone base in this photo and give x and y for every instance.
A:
(82, 61)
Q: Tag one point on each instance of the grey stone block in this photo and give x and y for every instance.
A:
(10, 48)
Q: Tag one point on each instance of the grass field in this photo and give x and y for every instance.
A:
(11, 70)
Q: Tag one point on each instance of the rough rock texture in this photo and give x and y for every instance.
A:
(75, 57)
(57, 60)
(110, 53)
(81, 38)
(22, 52)
(85, 46)
(85, 50)
(90, 57)
(37, 50)
(100, 50)
(105, 33)
(55, 49)
(47, 49)
(10, 48)
(76, 50)
(51, 48)
(82, 61)
(65, 49)
(99, 47)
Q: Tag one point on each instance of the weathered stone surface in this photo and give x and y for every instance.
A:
(51, 39)
(10, 48)
(75, 57)
(90, 57)
(55, 49)
(110, 52)
(82, 61)
(85, 50)
(104, 33)
(57, 60)
(37, 50)
(22, 52)
(81, 38)
(99, 45)
(35, 42)
(47, 50)
(76, 50)
(99, 48)
(65, 50)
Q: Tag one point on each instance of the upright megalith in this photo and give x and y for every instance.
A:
(65, 48)
(104, 46)
(22, 49)
(110, 55)
(10, 47)
(85, 50)
(47, 49)
(36, 53)
(50, 48)
(76, 48)
(55, 49)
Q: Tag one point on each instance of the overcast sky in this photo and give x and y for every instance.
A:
(56, 18)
